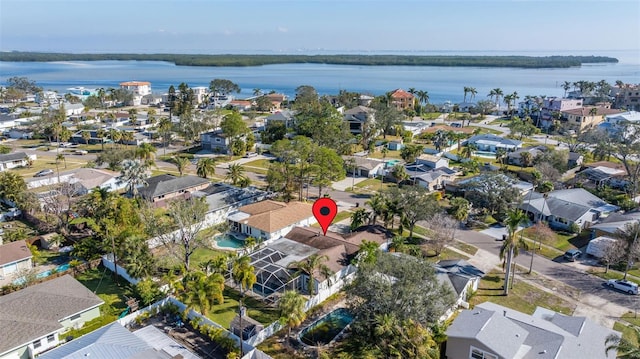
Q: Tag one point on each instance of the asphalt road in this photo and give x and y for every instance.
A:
(559, 270)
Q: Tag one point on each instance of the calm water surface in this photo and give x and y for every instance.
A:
(442, 83)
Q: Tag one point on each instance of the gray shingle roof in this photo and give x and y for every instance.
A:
(36, 311)
(166, 184)
(10, 157)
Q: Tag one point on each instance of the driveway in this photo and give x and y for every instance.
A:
(342, 185)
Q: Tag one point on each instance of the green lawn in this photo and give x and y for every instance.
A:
(48, 162)
(389, 155)
(262, 163)
(374, 184)
(202, 255)
(523, 297)
(465, 247)
(563, 241)
(341, 216)
(627, 332)
(612, 274)
(444, 255)
(224, 313)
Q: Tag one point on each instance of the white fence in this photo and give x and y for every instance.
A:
(107, 261)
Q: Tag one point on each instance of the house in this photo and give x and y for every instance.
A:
(222, 199)
(491, 143)
(416, 126)
(285, 116)
(516, 157)
(604, 173)
(139, 89)
(402, 100)
(491, 331)
(575, 159)
(461, 277)
(20, 134)
(241, 105)
(395, 145)
(269, 219)
(276, 100)
(83, 180)
(424, 172)
(584, 118)
(363, 167)
(615, 123)
(165, 187)
(476, 183)
(116, 341)
(552, 105)
(612, 223)
(200, 93)
(14, 257)
(564, 208)
(15, 159)
(34, 319)
(151, 100)
(628, 97)
(216, 141)
(360, 118)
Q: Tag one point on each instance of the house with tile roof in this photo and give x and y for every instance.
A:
(270, 219)
(14, 257)
(161, 188)
(491, 331)
(584, 118)
(34, 319)
(402, 99)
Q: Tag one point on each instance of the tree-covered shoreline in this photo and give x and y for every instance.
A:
(229, 60)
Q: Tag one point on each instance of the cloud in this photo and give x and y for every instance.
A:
(282, 29)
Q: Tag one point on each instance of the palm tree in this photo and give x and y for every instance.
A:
(86, 136)
(423, 97)
(164, 127)
(460, 208)
(313, 265)
(181, 163)
(257, 92)
(146, 152)
(243, 273)
(625, 348)
(399, 173)
(291, 307)
(497, 93)
(206, 166)
(473, 92)
(367, 252)
(566, 86)
(501, 155)
(236, 173)
(469, 150)
(378, 205)
(511, 244)
(466, 91)
(134, 174)
(629, 238)
(202, 291)
(359, 217)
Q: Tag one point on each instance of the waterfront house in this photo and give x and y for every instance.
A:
(584, 118)
(491, 331)
(34, 319)
(402, 100)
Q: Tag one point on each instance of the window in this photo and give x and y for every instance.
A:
(75, 317)
(37, 344)
(480, 354)
(51, 338)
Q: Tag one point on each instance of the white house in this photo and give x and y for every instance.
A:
(270, 219)
(15, 159)
(14, 257)
(34, 319)
(490, 143)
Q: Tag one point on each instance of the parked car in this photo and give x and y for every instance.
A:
(623, 285)
(80, 152)
(250, 154)
(44, 172)
(572, 254)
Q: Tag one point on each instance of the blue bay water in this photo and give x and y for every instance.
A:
(442, 83)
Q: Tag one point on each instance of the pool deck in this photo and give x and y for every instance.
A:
(38, 269)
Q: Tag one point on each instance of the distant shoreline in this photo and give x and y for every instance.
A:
(240, 60)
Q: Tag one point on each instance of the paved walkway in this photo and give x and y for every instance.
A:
(342, 185)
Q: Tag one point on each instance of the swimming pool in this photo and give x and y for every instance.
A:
(227, 240)
(484, 154)
(60, 268)
(326, 329)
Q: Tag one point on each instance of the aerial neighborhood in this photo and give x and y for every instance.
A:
(178, 223)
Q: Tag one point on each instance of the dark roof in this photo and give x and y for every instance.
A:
(14, 252)
(460, 266)
(166, 184)
(15, 156)
(37, 310)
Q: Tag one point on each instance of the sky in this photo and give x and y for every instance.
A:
(312, 26)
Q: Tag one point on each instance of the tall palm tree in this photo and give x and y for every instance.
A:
(181, 163)
(423, 96)
(236, 173)
(496, 93)
(466, 91)
(313, 265)
(206, 166)
(164, 127)
(359, 217)
(243, 273)
(625, 348)
(628, 235)
(134, 174)
(566, 86)
(460, 208)
(86, 136)
(291, 306)
(511, 244)
(146, 152)
(473, 92)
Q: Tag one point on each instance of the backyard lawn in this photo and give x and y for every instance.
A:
(224, 313)
(374, 185)
(261, 163)
(523, 297)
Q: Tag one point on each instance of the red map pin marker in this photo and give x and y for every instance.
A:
(325, 210)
